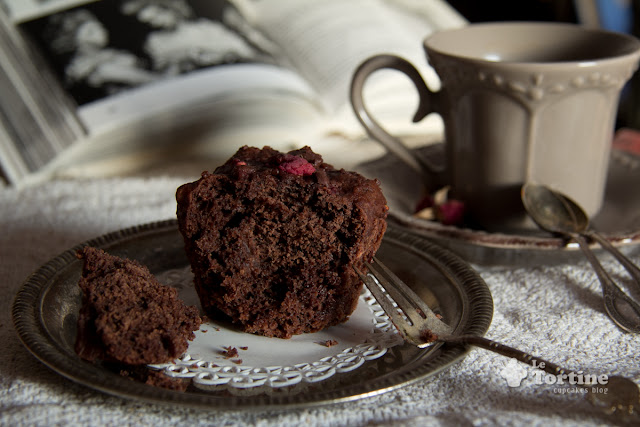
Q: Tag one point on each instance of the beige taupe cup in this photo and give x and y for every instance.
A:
(520, 102)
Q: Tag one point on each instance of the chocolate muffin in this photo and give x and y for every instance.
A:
(272, 239)
(127, 316)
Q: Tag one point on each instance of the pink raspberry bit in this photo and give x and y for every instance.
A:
(451, 212)
(296, 165)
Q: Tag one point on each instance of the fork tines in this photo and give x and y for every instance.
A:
(413, 318)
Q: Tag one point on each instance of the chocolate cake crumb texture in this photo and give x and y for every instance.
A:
(272, 239)
(127, 316)
(428, 336)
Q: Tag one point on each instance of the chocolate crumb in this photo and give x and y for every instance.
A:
(237, 361)
(230, 352)
(244, 348)
(427, 335)
(328, 343)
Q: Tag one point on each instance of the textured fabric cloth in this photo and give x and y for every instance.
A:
(554, 312)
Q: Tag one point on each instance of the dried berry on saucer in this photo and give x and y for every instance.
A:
(439, 207)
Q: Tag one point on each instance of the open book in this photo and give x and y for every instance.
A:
(109, 86)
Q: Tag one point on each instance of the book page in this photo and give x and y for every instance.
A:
(199, 87)
(199, 136)
(326, 41)
(123, 60)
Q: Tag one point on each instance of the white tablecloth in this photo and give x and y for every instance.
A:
(555, 312)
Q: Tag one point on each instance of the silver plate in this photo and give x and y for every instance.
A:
(46, 308)
(618, 220)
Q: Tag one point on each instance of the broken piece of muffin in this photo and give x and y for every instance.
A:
(127, 316)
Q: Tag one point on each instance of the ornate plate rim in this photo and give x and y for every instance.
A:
(26, 311)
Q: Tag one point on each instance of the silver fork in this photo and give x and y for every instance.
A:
(420, 326)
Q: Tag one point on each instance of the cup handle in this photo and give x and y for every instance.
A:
(428, 104)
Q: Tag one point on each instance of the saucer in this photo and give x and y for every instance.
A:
(618, 220)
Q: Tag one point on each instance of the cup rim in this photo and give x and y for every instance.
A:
(630, 45)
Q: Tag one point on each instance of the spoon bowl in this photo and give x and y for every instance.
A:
(557, 213)
(553, 211)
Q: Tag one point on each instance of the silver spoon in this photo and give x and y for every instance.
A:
(557, 213)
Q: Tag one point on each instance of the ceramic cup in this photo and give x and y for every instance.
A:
(520, 102)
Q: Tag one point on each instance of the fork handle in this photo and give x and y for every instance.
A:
(505, 350)
(633, 270)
